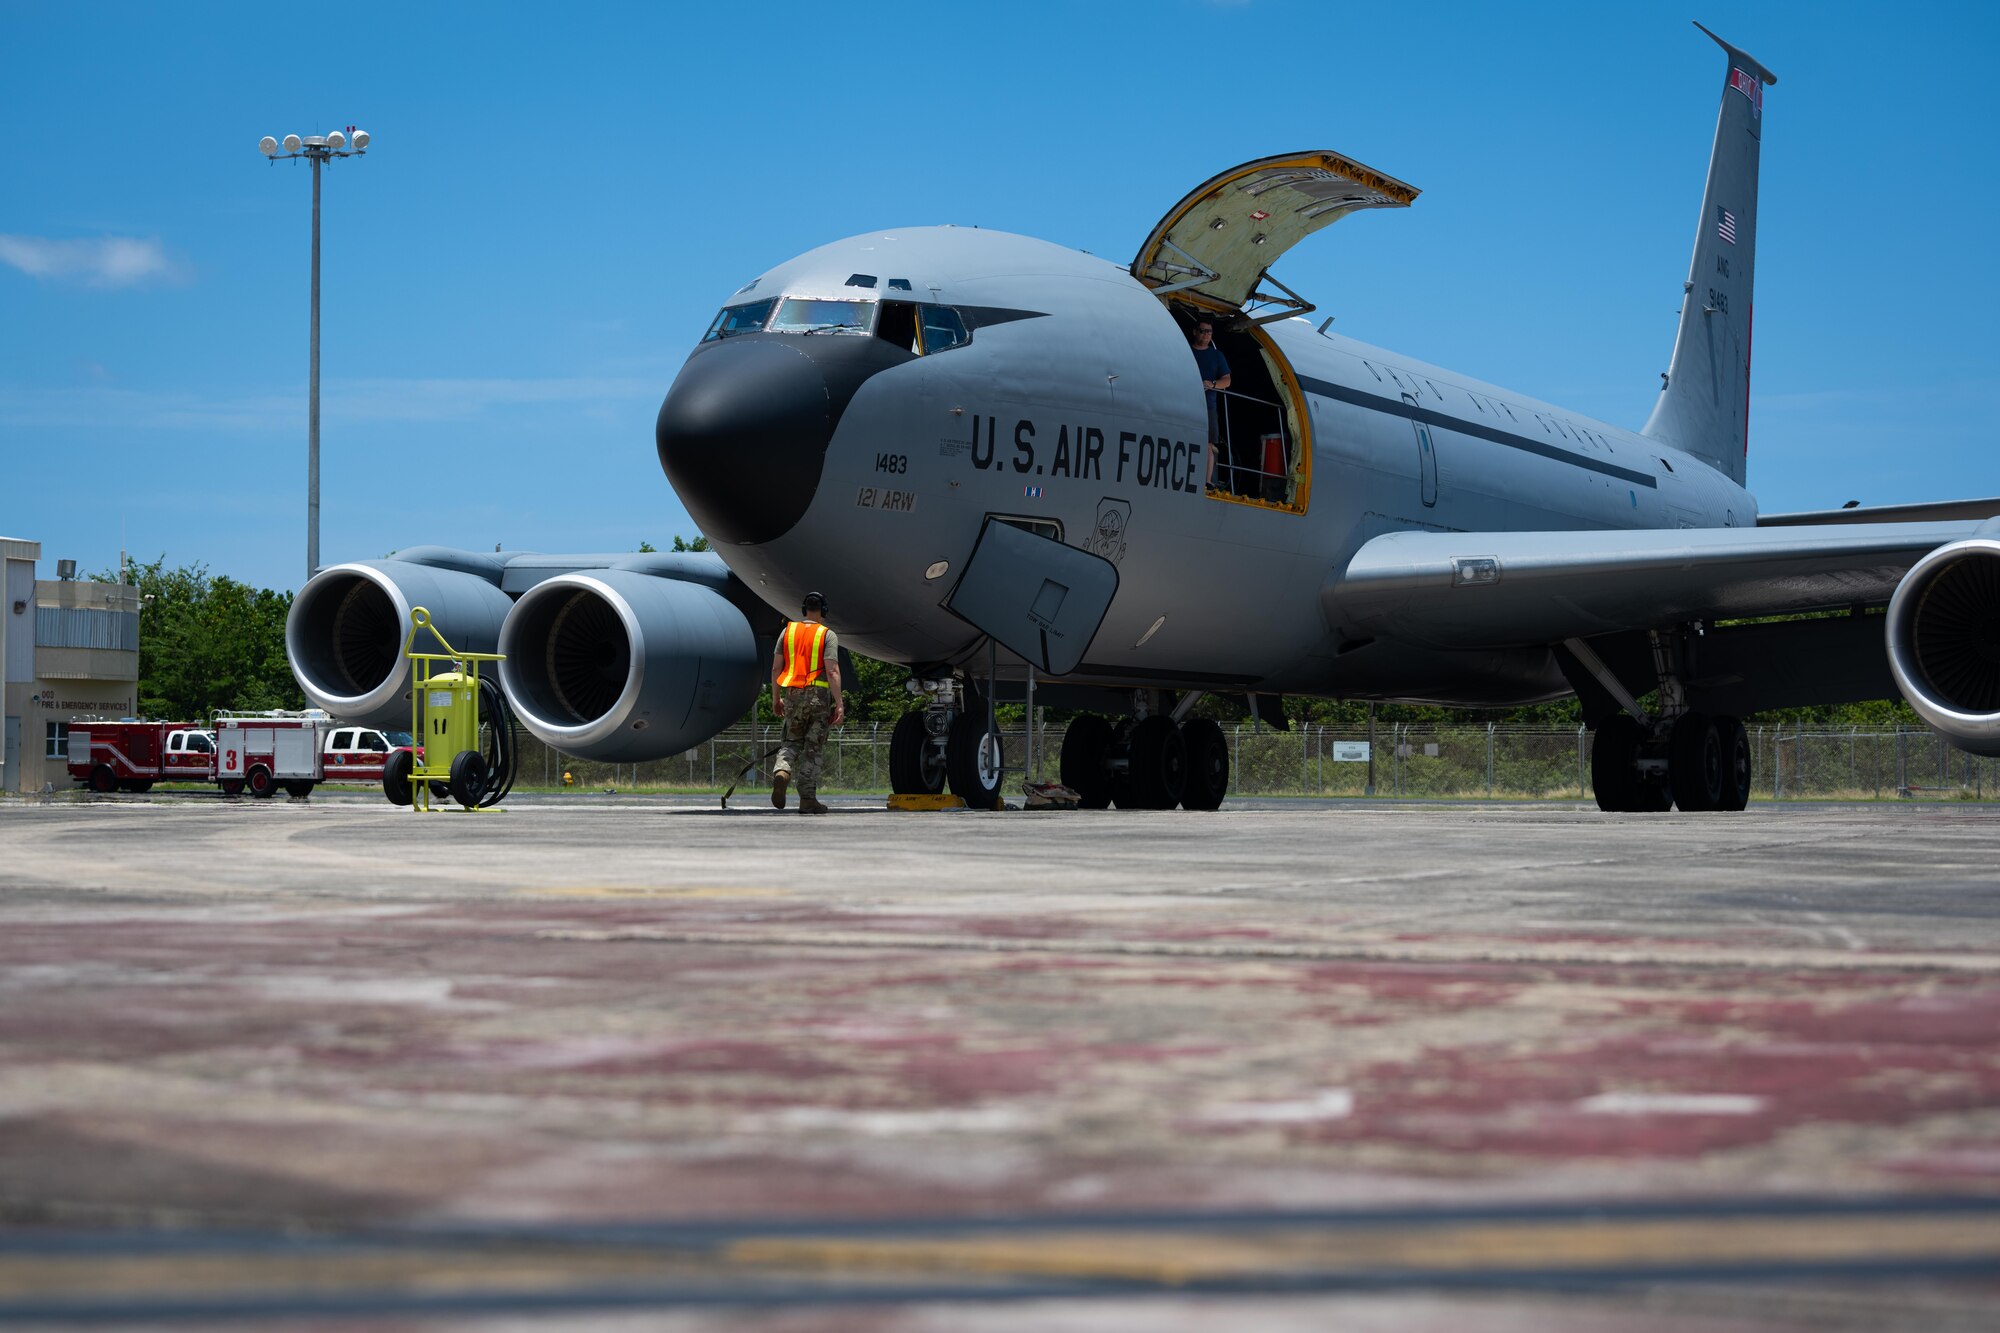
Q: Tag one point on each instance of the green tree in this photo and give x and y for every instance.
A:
(208, 642)
(700, 543)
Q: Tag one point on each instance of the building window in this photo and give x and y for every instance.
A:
(58, 741)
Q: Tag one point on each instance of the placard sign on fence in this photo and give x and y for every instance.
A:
(1350, 752)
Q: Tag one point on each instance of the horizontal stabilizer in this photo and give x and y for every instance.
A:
(1742, 59)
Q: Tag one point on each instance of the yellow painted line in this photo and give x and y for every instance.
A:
(651, 891)
(1181, 1257)
(1169, 1258)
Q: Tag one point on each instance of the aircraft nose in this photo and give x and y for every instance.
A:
(742, 436)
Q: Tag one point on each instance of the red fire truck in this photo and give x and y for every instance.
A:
(254, 752)
(258, 751)
(132, 756)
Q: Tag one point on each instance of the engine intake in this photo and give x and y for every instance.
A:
(346, 629)
(617, 666)
(1944, 641)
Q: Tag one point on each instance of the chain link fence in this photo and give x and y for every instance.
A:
(1503, 763)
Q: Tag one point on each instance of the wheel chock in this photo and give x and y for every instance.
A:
(925, 801)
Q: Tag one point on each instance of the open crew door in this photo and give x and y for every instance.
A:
(1221, 240)
(1037, 598)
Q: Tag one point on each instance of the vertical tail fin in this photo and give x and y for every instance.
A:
(1704, 403)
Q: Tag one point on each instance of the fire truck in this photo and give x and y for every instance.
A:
(254, 752)
(132, 756)
(258, 751)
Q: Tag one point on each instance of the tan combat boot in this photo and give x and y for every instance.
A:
(778, 785)
(810, 805)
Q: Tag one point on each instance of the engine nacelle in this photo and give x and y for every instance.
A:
(619, 666)
(1944, 641)
(346, 629)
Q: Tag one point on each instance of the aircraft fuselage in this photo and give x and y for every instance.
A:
(1073, 406)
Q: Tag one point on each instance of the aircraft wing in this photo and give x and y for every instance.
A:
(1493, 589)
(1940, 511)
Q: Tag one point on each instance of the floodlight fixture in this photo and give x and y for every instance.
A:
(316, 149)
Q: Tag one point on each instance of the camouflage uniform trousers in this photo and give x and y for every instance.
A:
(808, 713)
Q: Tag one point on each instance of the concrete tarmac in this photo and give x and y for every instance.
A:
(613, 1062)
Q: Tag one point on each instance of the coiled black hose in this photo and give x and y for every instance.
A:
(502, 756)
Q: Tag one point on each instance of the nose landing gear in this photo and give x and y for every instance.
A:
(948, 743)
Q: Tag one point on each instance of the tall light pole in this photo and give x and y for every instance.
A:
(316, 149)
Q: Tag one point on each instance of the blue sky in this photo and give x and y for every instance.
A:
(556, 202)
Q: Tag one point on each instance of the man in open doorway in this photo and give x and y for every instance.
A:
(1214, 379)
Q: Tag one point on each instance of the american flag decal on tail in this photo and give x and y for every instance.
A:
(1751, 87)
(1725, 224)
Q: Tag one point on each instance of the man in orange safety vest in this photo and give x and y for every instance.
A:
(805, 692)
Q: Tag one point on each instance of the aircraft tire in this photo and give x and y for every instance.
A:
(1159, 765)
(1695, 761)
(1207, 764)
(1612, 775)
(468, 777)
(262, 784)
(972, 781)
(440, 791)
(1736, 766)
(299, 790)
(1121, 778)
(913, 766)
(1085, 748)
(396, 777)
(102, 780)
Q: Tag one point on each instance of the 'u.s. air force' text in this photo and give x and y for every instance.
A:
(1080, 452)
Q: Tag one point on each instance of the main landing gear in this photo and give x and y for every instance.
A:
(1146, 762)
(1678, 757)
(1694, 762)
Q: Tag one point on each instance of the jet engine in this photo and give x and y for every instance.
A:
(615, 665)
(1944, 640)
(346, 629)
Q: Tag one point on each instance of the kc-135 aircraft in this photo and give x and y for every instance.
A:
(991, 454)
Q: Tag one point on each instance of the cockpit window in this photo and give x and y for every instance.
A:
(942, 328)
(923, 329)
(735, 319)
(799, 314)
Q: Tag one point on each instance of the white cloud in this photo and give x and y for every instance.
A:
(104, 261)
